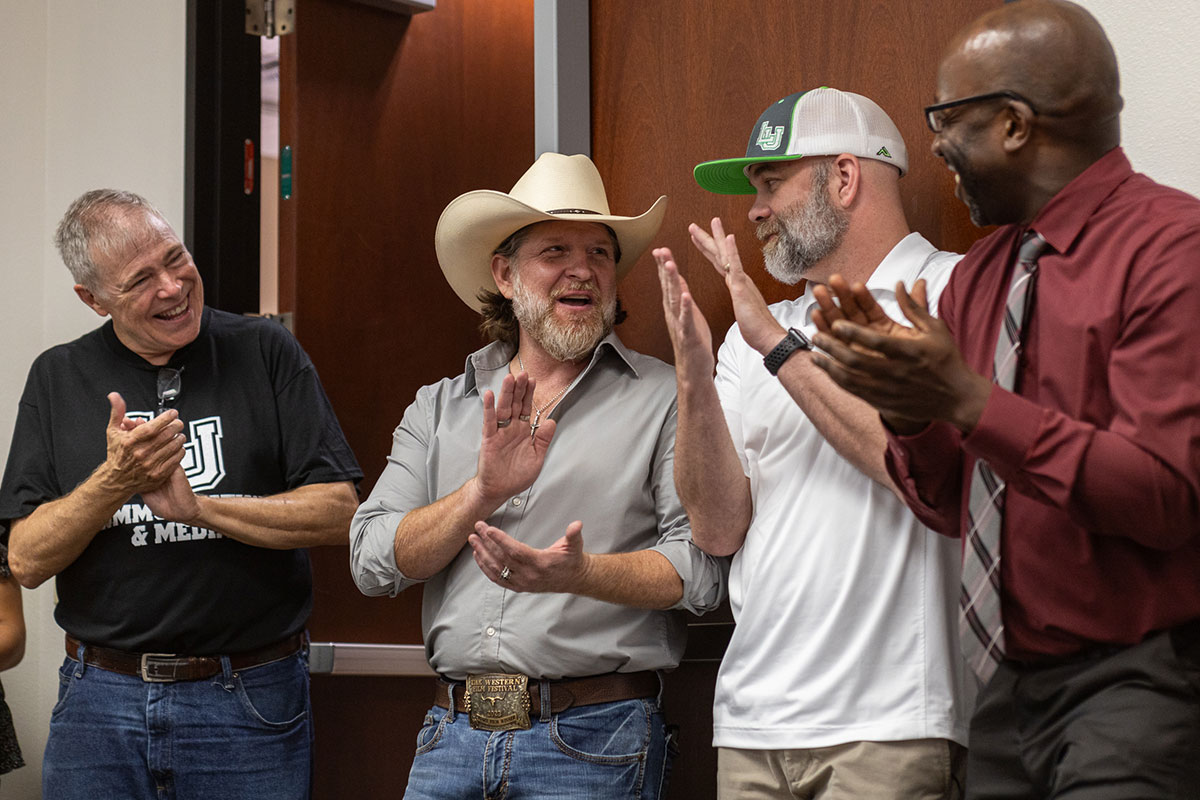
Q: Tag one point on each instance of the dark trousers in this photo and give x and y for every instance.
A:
(1120, 724)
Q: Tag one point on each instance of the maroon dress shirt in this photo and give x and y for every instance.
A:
(1100, 444)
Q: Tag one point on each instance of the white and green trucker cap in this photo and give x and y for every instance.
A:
(820, 122)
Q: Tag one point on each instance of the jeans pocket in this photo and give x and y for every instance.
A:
(66, 679)
(275, 695)
(431, 731)
(608, 733)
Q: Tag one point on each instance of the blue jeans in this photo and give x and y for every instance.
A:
(609, 750)
(237, 735)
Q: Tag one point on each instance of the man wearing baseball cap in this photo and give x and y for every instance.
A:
(534, 498)
(843, 678)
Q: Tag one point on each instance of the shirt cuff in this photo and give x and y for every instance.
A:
(927, 459)
(704, 576)
(1006, 431)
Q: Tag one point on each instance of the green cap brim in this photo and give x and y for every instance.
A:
(727, 175)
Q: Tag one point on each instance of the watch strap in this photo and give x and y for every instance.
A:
(793, 341)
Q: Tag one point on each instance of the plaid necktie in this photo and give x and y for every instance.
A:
(980, 627)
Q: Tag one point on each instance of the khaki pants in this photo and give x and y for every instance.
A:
(920, 769)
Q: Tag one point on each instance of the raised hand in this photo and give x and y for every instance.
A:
(141, 455)
(760, 330)
(691, 337)
(510, 457)
(521, 568)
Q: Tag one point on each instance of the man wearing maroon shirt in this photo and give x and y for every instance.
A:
(1094, 673)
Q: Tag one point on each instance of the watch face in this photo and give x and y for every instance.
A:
(805, 343)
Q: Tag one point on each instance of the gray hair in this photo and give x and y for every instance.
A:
(94, 225)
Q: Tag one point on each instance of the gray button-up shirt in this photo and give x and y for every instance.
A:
(610, 464)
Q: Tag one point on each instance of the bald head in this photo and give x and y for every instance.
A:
(1055, 54)
(1032, 98)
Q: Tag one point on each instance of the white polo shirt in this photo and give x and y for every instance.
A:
(846, 606)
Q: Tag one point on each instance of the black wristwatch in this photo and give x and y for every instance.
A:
(795, 340)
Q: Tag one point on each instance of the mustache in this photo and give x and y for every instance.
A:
(766, 228)
(575, 286)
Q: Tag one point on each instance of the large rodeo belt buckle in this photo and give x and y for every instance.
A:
(498, 701)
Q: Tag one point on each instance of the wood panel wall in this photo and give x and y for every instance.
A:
(675, 84)
(389, 117)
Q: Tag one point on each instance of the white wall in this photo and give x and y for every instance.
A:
(92, 94)
(1156, 44)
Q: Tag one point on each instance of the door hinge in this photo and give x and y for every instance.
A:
(270, 17)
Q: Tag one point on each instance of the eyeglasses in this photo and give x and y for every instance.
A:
(936, 121)
(170, 384)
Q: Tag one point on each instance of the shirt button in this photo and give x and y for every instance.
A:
(491, 631)
(516, 501)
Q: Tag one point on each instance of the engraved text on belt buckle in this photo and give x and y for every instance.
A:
(498, 702)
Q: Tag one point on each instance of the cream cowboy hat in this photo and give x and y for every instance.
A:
(556, 187)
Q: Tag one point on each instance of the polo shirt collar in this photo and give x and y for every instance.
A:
(904, 262)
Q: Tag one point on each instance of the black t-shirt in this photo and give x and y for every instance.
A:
(257, 422)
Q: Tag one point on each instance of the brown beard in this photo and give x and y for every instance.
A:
(564, 341)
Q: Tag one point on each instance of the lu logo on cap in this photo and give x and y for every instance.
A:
(769, 138)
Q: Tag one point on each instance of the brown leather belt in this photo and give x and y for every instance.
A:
(168, 667)
(567, 693)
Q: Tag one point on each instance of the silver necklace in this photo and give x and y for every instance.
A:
(537, 412)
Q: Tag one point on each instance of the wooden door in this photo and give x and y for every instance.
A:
(390, 117)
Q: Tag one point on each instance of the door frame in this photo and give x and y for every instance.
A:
(221, 154)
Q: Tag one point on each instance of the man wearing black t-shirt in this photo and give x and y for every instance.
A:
(174, 514)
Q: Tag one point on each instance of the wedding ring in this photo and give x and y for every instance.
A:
(727, 266)
(524, 418)
(504, 573)
(503, 423)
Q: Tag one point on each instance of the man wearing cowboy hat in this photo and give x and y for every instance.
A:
(843, 678)
(553, 430)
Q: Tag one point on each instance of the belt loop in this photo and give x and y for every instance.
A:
(662, 686)
(450, 693)
(82, 666)
(544, 700)
(227, 673)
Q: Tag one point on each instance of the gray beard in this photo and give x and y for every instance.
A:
(567, 342)
(806, 234)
